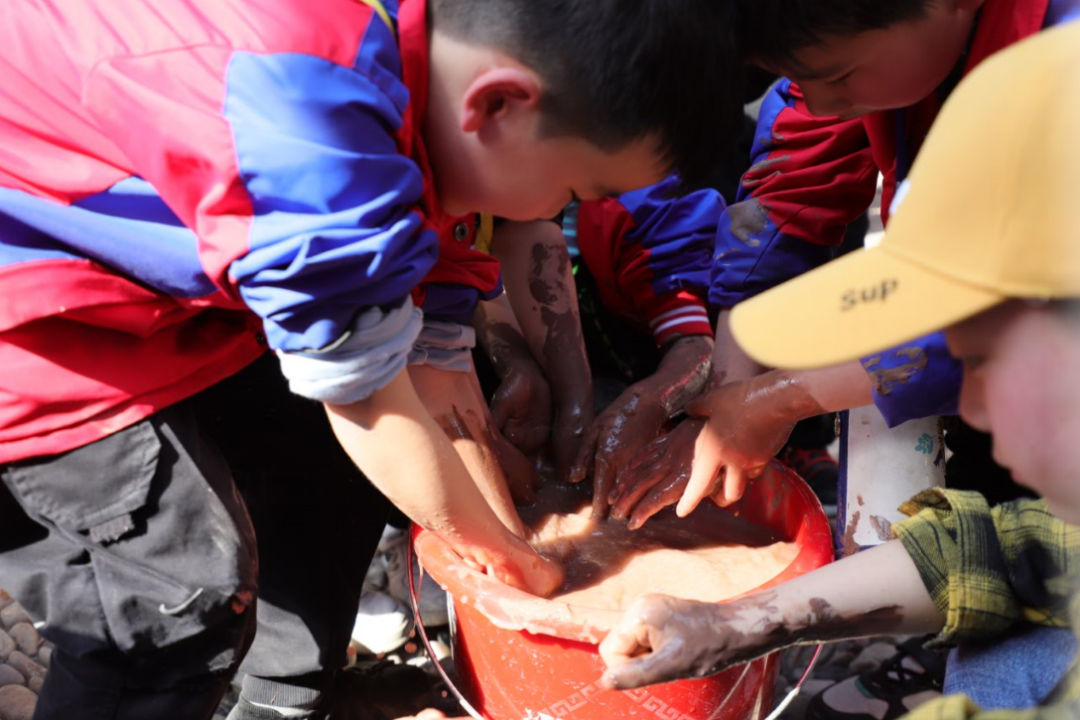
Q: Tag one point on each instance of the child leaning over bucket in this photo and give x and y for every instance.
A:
(639, 277)
(985, 246)
(185, 185)
(865, 82)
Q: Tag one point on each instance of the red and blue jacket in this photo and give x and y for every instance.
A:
(811, 176)
(185, 183)
(650, 252)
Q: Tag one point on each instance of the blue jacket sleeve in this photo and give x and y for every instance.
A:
(334, 226)
(675, 235)
(649, 251)
(809, 178)
(915, 380)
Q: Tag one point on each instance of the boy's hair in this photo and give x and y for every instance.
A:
(773, 31)
(615, 71)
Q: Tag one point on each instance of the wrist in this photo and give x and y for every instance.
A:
(785, 394)
(683, 374)
(763, 623)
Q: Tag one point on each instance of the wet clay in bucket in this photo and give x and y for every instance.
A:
(521, 657)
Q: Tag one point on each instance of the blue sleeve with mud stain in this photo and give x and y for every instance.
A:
(915, 380)
(808, 179)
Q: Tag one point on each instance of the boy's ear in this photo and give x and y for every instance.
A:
(492, 93)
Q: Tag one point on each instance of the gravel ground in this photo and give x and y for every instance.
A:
(24, 660)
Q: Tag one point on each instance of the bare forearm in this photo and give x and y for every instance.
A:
(540, 288)
(394, 440)
(876, 592)
(798, 393)
(455, 403)
(812, 392)
(662, 638)
(501, 336)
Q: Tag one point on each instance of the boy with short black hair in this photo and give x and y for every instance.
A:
(185, 185)
(984, 245)
(865, 83)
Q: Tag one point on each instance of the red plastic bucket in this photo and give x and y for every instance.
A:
(519, 657)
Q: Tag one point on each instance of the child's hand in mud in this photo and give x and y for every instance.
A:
(657, 476)
(633, 420)
(662, 638)
(521, 407)
(748, 423)
(737, 429)
(518, 565)
(654, 478)
(573, 417)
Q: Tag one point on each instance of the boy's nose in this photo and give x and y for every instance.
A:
(825, 104)
(972, 407)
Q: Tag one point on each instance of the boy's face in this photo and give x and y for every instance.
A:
(531, 177)
(1022, 383)
(884, 69)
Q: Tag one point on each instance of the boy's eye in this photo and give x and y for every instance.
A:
(837, 82)
(972, 363)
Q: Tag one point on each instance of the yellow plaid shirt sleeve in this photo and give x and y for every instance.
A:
(988, 568)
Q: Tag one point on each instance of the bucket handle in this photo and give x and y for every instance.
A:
(414, 597)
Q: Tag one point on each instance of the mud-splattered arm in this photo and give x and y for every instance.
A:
(394, 440)
(501, 472)
(876, 592)
(809, 177)
(540, 285)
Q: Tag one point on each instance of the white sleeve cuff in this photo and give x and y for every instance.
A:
(365, 359)
(444, 346)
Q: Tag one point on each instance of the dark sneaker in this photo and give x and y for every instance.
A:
(911, 677)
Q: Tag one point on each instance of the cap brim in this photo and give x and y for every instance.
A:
(858, 305)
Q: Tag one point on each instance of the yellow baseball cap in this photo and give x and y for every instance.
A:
(991, 211)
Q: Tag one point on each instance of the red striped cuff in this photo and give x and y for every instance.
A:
(684, 315)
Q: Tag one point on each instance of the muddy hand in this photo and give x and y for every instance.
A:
(569, 426)
(662, 638)
(748, 424)
(522, 409)
(634, 419)
(657, 476)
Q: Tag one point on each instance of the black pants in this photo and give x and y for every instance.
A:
(318, 521)
(140, 557)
